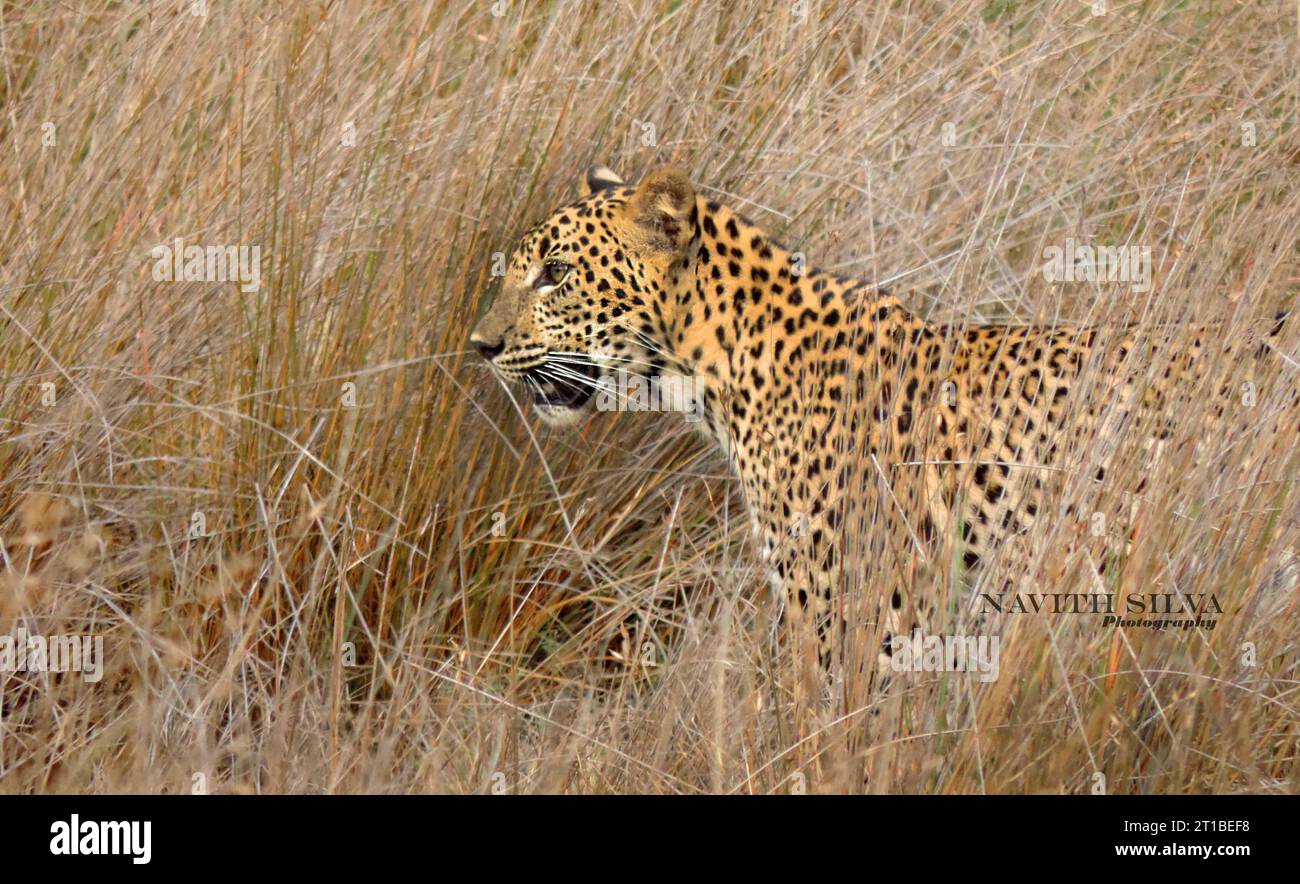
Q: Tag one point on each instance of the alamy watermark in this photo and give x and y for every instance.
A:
(177, 262)
(1082, 262)
(78, 837)
(24, 652)
(627, 391)
(947, 653)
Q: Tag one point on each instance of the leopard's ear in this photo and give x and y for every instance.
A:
(599, 178)
(662, 207)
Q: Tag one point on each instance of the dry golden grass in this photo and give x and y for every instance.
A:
(379, 154)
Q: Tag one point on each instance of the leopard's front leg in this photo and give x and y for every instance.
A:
(805, 570)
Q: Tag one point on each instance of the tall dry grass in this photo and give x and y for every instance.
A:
(425, 591)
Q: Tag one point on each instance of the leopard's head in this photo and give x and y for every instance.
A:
(591, 291)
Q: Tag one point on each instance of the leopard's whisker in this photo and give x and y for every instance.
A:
(569, 377)
(583, 359)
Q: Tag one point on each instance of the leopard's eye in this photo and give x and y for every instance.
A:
(553, 273)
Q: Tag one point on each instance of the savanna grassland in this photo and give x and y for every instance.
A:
(329, 552)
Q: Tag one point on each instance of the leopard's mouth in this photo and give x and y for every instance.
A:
(557, 386)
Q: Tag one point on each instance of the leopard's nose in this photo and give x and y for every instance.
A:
(487, 349)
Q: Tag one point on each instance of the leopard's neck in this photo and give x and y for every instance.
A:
(748, 311)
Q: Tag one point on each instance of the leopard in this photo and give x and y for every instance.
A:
(838, 408)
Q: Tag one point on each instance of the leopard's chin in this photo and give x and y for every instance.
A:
(560, 416)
